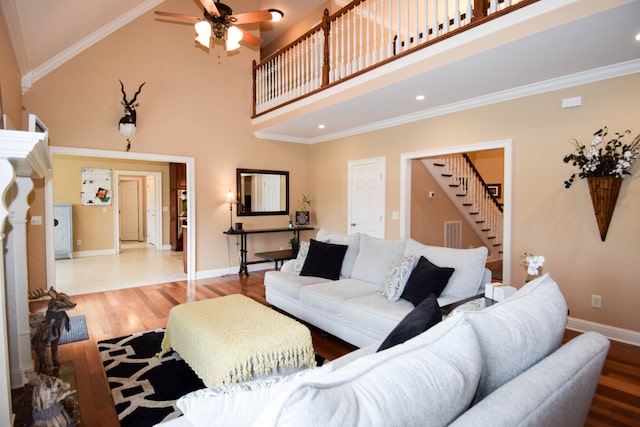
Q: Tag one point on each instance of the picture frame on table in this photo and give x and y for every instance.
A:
(495, 190)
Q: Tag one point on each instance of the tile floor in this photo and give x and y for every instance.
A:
(134, 266)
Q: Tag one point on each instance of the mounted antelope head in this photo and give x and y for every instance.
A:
(127, 124)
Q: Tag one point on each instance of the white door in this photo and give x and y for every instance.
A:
(129, 210)
(367, 196)
(151, 210)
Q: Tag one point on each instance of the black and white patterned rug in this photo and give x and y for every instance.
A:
(145, 388)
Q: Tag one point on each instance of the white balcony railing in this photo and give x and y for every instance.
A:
(362, 35)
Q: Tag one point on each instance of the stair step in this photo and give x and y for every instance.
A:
(439, 165)
(486, 229)
(446, 175)
(467, 204)
(491, 237)
(480, 221)
(474, 213)
(454, 185)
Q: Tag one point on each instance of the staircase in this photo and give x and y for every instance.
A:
(466, 189)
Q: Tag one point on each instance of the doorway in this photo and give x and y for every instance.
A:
(129, 215)
(367, 196)
(405, 189)
(145, 157)
(151, 194)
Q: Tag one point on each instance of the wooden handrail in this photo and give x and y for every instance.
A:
(278, 60)
(484, 184)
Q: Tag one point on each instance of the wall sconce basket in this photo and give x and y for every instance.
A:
(604, 194)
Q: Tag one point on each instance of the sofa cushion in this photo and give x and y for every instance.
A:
(373, 314)
(518, 332)
(329, 296)
(557, 391)
(301, 257)
(396, 278)
(426, 279)
(469, 266)
(289, 283)
(374, 258)
(430, 378)
(324, 260)
(421, 318)
(351, 240)
(238, 404)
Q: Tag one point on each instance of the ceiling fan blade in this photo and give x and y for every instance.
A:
(249, 38)
(210, 6)
(177, 15)
(251, 17)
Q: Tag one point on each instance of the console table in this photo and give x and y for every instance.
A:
(243, 242)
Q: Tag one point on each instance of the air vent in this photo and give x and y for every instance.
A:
(452, 234)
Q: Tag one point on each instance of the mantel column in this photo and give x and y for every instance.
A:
(25, 155)
(17, 276)
(6, 179)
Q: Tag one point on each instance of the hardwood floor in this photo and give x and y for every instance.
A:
(122, 312)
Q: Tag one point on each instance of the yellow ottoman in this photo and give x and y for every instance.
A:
(234, 338)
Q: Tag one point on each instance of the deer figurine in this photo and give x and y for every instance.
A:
(46, 328)
(127, 124)
(47, 398)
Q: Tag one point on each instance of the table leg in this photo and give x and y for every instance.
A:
(243, 255)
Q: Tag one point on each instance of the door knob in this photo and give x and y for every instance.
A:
(353, 224)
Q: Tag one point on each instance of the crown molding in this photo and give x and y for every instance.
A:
(39, 72)
(572, 80)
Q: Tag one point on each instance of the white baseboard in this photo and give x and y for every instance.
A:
(80, 254)
(219, 272)
(611, 332)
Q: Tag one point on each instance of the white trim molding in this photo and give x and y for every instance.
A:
(611, 332)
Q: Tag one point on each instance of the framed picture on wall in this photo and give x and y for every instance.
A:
(96, 187)
(495, 190)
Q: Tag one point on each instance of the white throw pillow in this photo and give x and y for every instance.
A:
(431, 378)
(374, 258)
(237, 405)
(396, 277)
(469, 265)
(302, 256)
(351, 240)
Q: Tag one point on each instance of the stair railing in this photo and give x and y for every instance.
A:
(473, 193)
(361, 36)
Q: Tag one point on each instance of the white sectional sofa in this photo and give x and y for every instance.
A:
(352, 308)
(502, 366)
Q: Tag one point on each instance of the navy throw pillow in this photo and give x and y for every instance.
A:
(426, 279)
(421, 318)
(324, 260)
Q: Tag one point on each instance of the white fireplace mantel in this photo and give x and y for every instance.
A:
(23, 155)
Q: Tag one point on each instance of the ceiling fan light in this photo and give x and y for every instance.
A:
(232, 45)
(204, 40)
(203, 28)
(234, 34)
(276, 15)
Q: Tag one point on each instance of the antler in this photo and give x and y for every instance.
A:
(137, 93)
(38, 293)
(124, 94)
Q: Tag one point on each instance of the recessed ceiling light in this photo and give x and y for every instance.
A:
(638, 37)
(320, 126)
(276, 15)
(420, 97)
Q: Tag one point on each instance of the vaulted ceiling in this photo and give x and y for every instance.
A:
(47, 33)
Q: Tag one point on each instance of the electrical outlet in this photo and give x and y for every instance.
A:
(596, 301)
(78, 242)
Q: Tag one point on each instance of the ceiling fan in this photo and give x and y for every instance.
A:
(219, 22)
